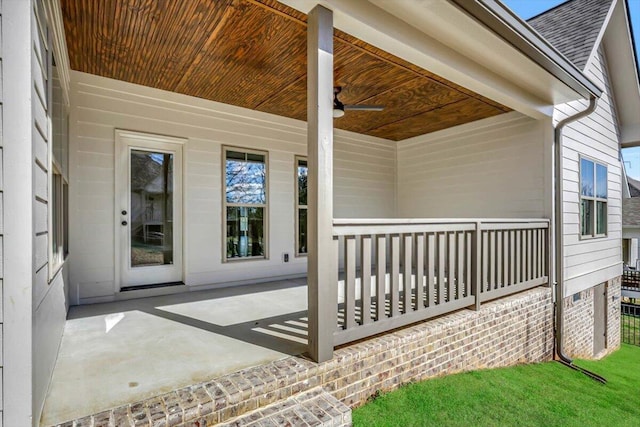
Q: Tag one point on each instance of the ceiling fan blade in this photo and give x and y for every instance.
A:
(364, 107)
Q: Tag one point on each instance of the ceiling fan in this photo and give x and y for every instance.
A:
(339, 108)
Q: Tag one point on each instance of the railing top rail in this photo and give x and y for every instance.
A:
(401, 221)
(360, 226)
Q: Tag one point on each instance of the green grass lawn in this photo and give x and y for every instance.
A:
(545, 394)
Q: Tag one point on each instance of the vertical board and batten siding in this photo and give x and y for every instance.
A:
(589, 262)
(490, 168)
(48, 292)
(364, 180)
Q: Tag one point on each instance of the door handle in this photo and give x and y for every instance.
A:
(124, 222)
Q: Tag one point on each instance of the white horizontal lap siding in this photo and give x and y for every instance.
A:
(364, 179)
(589, 262)
(40, 136)
(489, 168)
(49, 302)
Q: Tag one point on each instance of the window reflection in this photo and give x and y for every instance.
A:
(151, 218)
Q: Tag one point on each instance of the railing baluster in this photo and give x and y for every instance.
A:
(485, 260)
(419, 261)
(469, 279)
(451, 270)
(518, 256)
(381, 276)
(365, 281)
(529, 254)
(535, 255)
(395, 275)
(525, 255)
(431, 269)
(541, 252)
(408, 256)
(492, 260)
(460, 272)
(505, 258)
(498, 283)
(476, 267)
(546, 242)
(441, 266)
(512, 257)
(350, 281)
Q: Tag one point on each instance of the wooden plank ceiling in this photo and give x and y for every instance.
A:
(252, 53)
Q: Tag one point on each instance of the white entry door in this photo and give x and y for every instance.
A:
(148, 209)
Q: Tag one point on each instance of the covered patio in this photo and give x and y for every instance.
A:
(115, 353)
(378, 201)
(441, 202)
(150, 360)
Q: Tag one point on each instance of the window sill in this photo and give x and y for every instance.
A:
(56, 269)
(595, 237)
(241, 259)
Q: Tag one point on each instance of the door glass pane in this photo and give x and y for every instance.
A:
(586, 217)
(601, 225)
(302, 231)
(302, 182)
(245, 232)
(151, 207)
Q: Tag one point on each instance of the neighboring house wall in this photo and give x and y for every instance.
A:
(364, 179)
(589, 262)
(491, 168)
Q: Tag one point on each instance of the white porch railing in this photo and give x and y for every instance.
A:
(399, 271)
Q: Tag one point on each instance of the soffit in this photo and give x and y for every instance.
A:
(252, 54)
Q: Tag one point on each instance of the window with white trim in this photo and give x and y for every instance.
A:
(301, 206)
(59, 182)
(59, 247)
(245, 203)
(593, 198)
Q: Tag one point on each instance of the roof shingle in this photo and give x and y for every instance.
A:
(634, 187)
(631, 212)
(573, 27)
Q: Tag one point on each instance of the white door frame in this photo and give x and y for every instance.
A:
(124, 141)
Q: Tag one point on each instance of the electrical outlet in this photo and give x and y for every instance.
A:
(285, 257)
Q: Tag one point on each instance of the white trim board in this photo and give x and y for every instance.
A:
(123, 140)
(592, 278)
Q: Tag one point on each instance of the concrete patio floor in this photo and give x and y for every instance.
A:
(126, 351)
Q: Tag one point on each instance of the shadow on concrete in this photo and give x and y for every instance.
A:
(285, 333)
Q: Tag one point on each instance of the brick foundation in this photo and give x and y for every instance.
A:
(614, 295)
(512, 330)
(579, 322)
